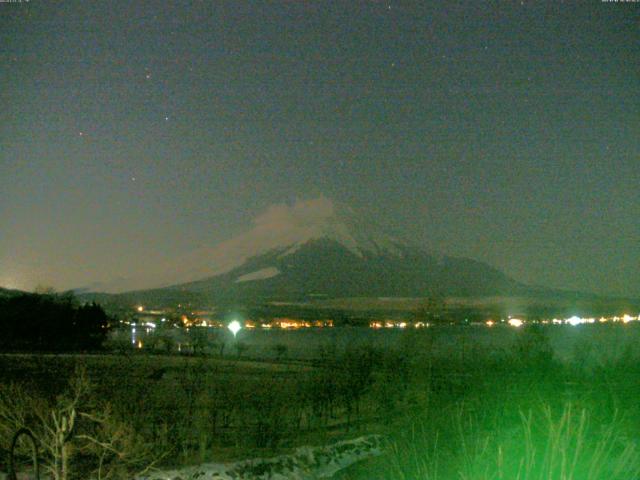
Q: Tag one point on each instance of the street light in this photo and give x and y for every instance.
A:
(234, 327)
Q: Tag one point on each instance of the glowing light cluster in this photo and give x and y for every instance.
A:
(235, 327)
(574, 321)
(377, 324)
(515, 322)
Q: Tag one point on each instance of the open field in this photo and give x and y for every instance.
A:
(185, 410)
(456, 403)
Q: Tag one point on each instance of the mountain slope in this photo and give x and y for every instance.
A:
(326, 268)
(319, 248)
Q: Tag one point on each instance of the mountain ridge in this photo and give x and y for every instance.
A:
(326, 267)
(281, 226)
(318, 248)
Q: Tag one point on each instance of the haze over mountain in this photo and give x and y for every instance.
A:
(279, 226)
(319, 248)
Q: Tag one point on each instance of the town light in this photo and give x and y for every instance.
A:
(515, 322)
(234, 327)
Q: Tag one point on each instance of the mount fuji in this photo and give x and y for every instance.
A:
(319, 249)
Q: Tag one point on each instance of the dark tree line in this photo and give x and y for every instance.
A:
(51, 323)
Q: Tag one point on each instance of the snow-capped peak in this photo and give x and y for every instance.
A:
(322, 218)
(288, 227)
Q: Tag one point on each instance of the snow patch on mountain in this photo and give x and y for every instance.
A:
(261, 274)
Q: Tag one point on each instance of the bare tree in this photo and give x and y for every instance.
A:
(71, 425)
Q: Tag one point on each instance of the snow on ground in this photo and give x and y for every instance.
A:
(306, 463)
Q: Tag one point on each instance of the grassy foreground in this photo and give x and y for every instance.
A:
(466, 412)
(516, 414)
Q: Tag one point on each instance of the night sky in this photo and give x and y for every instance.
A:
(134, 132)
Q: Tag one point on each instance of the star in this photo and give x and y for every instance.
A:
(166, 119)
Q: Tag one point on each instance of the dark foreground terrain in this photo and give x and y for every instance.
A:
(460, 409)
